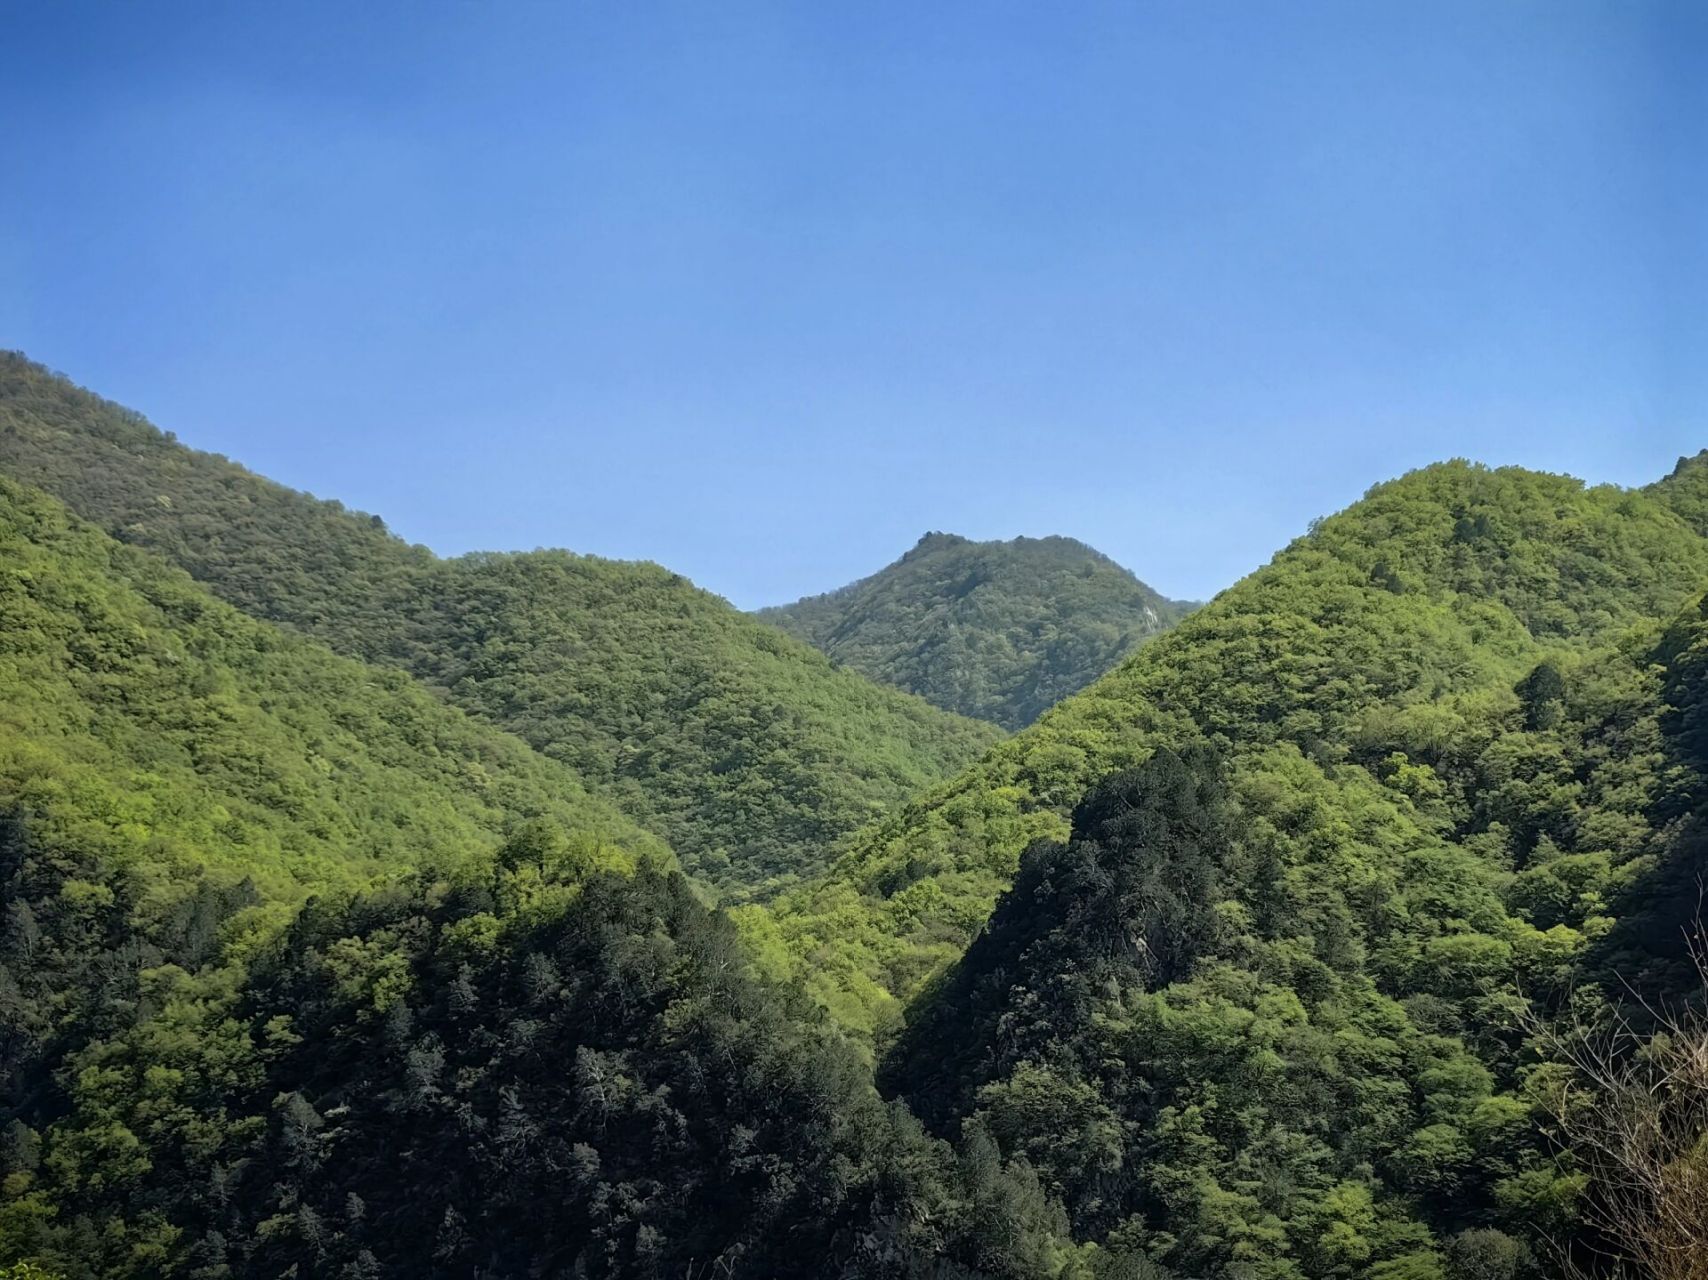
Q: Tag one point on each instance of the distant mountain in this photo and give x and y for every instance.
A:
(744, 749)
(1000, 631)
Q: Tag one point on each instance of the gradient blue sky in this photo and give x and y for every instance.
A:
(764, 292)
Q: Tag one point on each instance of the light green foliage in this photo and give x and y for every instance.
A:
(1388, 645)
(1001, 631)
(1686, 490)
(153, 727)
(747, 751)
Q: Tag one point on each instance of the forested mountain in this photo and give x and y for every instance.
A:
(518, 1071)
(744, 749)
(1261, 958)
(1275, 894)
(176, 778)
(151, 726)
(502, 1034)
(1001, 631)
(1416, 611)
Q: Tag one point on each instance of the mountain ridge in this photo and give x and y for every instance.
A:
(1246, 960)
(930, 870)
(665, 698)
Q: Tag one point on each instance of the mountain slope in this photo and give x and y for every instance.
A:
(1260, 1007)
(148, 723)
(1403, 622)
(1685, 490)
(997, 630)
(176, 778)
(746, 750)
(454, 1078)
(252, 892)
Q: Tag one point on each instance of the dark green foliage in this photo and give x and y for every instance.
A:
(1126, 902)
(1656, 913)
(1543, 693)
(75, 938)
(1001, 631)
(432, 1081)
(1684, 652)
(1155, 1023)
(745, 750)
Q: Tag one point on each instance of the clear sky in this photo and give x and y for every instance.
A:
(764, 292)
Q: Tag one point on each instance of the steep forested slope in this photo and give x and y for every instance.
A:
(1413, 614)
(746, 750)
(507, 1075)
(1257, 1009)
(997, 630)
(527, 1045)
(176, 777)
(147, 722)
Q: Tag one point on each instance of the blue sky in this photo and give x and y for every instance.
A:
(764, 292)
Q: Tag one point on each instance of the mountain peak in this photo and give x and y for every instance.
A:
(999, 630)
(1685, 490)
(933, 541)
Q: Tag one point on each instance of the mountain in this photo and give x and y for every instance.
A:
(1436, 593)
(745, 750)
(1685, 490)
(149, 724)
(1000, 631)
(1282, 951)
(1276, 901)
(280, 931)
(176, 778)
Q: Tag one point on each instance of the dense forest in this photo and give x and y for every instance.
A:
(744, 749)
(1277, 900)
(1340, 932)
(148, 723)
(1000, 631)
